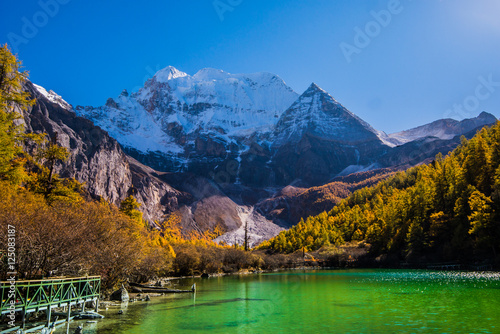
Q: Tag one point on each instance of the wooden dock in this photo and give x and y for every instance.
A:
(29, 296)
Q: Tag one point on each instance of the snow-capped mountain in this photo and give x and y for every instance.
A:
(443, 129)
(317, 138)
(251, 129)
(318, 114)
(174, 108)
(237, 126)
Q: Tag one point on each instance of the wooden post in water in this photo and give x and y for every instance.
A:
(68, 319)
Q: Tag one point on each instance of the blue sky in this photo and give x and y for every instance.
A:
(396, 64)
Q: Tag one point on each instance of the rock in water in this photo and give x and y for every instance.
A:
(120, 295)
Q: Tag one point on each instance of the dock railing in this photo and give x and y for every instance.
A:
(27, 296)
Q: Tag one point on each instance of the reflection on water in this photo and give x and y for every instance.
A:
(347, 301)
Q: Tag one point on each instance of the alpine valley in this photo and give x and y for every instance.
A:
(228, 150)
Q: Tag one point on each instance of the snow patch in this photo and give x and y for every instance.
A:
(53, 97)
(259, 228)
(168, 73)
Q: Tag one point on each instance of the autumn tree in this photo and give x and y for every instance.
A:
(12, 100)
(483, 228)
(129, 207)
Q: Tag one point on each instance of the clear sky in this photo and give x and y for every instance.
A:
(396, 64)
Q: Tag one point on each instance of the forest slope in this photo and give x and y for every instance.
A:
(447, 210)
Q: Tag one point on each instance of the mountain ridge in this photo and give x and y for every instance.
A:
(443, 128)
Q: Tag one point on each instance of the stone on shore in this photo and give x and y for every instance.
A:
(120, 295)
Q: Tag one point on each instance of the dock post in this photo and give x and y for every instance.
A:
(69, 318)
(97, 305)
(49, 312)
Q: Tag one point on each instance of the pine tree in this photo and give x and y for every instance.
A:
(247, 238)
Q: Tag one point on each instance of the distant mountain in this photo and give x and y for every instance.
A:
(443, 129)
(174, 110)
(254, 130)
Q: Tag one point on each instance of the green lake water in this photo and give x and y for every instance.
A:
(337, 301)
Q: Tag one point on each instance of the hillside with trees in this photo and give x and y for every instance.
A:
(447, 210)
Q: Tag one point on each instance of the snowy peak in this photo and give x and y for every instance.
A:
(53, 97)
(317, 113)
(316, 97)
(174, 108)
(443, 129)
(314, 89)
(168, 73)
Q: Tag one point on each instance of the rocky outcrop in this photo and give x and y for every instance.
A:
(158, 198)
(95, 158)
(120, 295)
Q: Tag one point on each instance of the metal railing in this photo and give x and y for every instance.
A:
(36, 295)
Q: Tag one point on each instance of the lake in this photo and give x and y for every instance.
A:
(333, 301)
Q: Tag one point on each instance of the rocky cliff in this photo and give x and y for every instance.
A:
(96, 159)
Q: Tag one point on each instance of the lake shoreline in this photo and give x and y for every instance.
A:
(351, 300)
